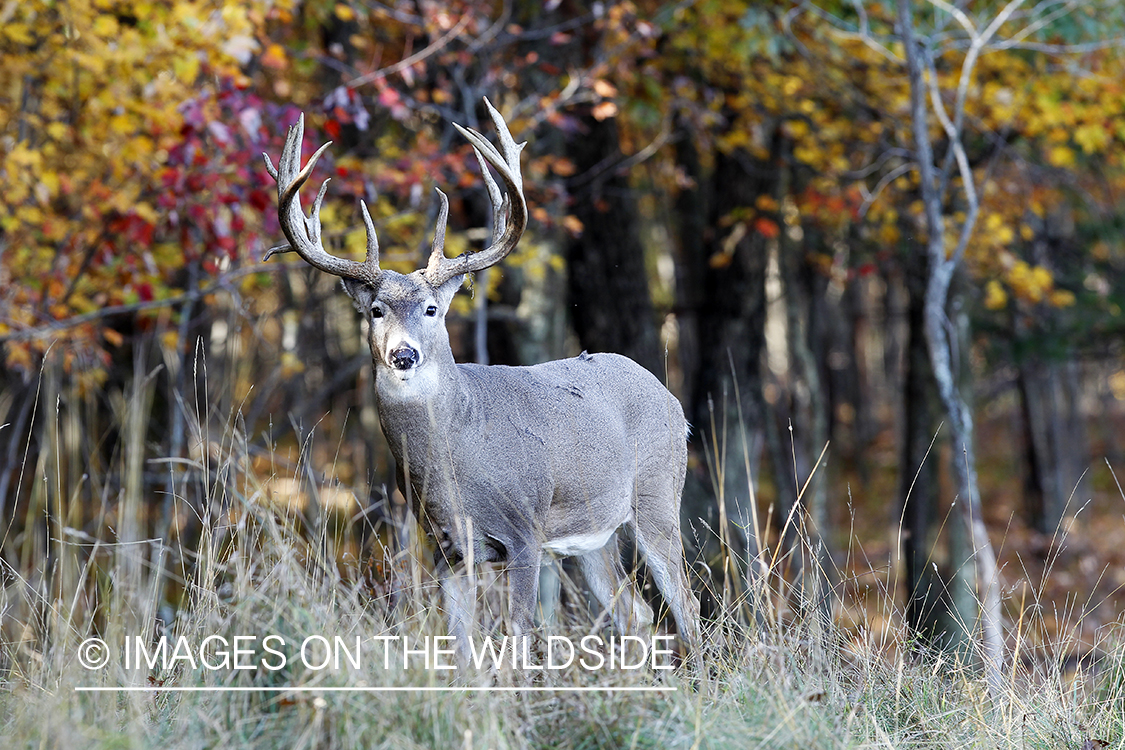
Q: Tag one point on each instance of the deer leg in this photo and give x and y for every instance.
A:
(523, 588)
(605, 576)
(458, 597)
(664, 553)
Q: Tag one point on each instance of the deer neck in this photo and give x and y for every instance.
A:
(428, 403)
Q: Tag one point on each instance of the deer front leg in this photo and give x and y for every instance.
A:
(459, 600)
(523, 588)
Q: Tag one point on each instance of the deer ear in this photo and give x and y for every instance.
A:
(446, 291)
(360, 292)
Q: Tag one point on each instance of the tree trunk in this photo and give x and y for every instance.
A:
(608, 285)
(918, 475)
(804, 291)
(721, 313)
(1056, 447)
(944, 345)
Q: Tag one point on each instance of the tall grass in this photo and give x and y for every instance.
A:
(241, 542)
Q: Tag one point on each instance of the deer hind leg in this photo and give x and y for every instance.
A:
(523, 588)
(658, 536)
(605, 576)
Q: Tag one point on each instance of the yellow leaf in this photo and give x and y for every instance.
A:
(29, 215)
(146, 212)
(720, 260)
(1091, 138)
(1062, 298)
(186, 68)
(796, 129)
(1042, 278)
(290, 364)
(18, 33)
(121, 124)
(995, 298)
(105, 26)
(274, 57)
(344, 12)
(1060, 156)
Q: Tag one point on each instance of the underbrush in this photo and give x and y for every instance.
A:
(251, 555)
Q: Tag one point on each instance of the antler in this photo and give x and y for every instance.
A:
(509, 211)
(303, 232)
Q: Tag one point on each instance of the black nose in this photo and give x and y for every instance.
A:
(404, 358)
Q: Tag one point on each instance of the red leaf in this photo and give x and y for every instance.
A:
(227, 245)
(259, 199)
(766, 227)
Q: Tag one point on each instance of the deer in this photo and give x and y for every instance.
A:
(507, 464)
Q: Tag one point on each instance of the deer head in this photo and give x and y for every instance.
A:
(406, 313)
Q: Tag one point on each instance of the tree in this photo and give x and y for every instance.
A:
(941, 68)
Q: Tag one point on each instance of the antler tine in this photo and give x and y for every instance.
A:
(495, 197)
(372, 259)
(437, 249)
(303, 232)
(510, 211)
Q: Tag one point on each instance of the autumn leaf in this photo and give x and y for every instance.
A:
(995, 298)
(766, 227)
(604, 111)
(274, 57)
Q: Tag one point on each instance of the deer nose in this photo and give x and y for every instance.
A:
(404, 358)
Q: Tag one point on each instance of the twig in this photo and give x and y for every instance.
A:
(418, 56)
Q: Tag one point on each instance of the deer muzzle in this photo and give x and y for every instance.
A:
(404, 357)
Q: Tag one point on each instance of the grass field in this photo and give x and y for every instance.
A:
(278, 553)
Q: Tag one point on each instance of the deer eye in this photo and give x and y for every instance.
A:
(376, 311)
(431, 311)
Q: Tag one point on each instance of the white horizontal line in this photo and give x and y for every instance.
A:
(393, 689)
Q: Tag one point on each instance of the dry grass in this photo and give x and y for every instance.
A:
(252, 553)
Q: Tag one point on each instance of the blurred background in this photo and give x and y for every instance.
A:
(728, 192)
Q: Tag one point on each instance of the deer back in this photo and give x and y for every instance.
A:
(534, 454)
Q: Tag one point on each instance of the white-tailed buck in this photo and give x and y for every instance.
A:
(506, 463)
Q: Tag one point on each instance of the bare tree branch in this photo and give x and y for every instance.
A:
(427, 51)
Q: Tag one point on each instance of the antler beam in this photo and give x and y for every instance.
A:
(303, 232)
(509, 211)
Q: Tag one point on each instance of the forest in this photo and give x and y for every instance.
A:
(875, 249)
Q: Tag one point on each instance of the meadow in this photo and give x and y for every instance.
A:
(279, 550)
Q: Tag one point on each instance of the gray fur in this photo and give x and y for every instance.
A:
(505, 463)
(534, 456)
